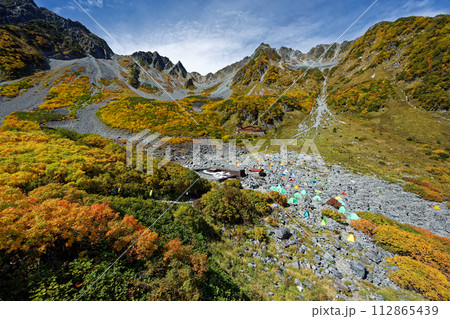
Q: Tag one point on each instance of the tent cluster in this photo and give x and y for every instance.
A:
(287, 186)
(279, 189)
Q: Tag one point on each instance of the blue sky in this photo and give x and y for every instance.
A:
(208, 35)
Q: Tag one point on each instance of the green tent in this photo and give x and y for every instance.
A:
(342, 210)
(324, 221)
(353, 216)
(341, 201)
(292, 200)
(274, 188)
(318, 191)
(298, 195)
(303, 192)
(281, 190)
(317, 198)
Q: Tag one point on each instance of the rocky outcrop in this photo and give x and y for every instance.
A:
(154, 60)
(288, 53)
(178, 70)
(66, 39)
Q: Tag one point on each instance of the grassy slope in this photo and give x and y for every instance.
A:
(391, 143)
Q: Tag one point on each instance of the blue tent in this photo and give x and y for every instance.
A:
(306, 214)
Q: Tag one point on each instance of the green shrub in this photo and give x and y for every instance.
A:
(339, 217)
(233, 183)
(229, 205)
(259, 233)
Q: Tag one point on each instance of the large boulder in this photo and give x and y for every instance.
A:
(359, 269)
(283, 233)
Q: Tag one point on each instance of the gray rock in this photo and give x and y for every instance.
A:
(302, 249)
(336, 273)
(307, 284)
(317, 259)
(295, 265)
(283, 233)
(379, 298)
(270, 294)
(341, 287)
(359, 269)
(328, 256)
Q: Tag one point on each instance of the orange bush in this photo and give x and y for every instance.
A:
(278, 198)
(424, 189)
(28, 225)
(174, 250)
(365, 226)
(272, 221)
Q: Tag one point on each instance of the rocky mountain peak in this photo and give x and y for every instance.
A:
(263, 48)
(19, 11)
(153, 59)
(178, 70)
(288, 53)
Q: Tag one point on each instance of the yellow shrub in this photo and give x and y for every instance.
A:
(13, 122)
(417, 246)
(426, 280)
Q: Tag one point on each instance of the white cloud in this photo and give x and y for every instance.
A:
(57, 10)
(413, 8)
(92, 3)
(210, 36)
(213, 42)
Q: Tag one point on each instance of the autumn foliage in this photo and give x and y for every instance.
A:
(15, 89)
(334, 203)
(28, 225)
(278, 198)
(232, 205)
(167, 118)
(413, 274)
(61, 226)
(365, 226)
(339, 217)
(369, 96)
(423, 257)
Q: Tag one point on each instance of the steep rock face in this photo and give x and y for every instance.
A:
(27, 29)
(288, 53)
(178, 70)
(153, 59)
(20, 11)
